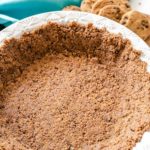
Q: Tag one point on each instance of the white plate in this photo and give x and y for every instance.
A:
(141, 5)
(33, 22)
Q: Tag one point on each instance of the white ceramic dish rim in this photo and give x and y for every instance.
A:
(33, 22)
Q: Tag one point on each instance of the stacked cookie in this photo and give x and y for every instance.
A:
(137, 22)
(119, 11)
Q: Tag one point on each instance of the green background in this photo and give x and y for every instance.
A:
(20, 9)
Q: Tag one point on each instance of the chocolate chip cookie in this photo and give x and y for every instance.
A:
(137, 22)
(86, 5)
(124, 4)
(113, 12)
(102, 3)
(72, 7)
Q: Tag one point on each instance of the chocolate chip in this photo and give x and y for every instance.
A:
(145, 23)
(127, 5)
(123, 23)
(2, 106)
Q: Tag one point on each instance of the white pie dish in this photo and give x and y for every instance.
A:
(28, 24)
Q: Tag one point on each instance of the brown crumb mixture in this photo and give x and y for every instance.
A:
(72, 87)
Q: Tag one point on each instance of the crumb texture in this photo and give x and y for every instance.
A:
(72, 87)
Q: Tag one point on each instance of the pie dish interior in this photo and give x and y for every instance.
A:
(70, 86)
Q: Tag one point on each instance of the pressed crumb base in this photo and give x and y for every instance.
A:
(62, 102)
(68, 101)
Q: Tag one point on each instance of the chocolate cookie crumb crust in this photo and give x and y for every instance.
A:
(72, 87)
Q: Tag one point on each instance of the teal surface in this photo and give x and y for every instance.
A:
(20, 9)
